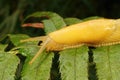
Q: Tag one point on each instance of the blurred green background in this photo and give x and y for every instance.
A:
(13, 12)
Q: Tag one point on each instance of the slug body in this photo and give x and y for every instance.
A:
(97, 32)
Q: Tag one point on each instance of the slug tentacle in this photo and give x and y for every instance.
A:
(40, 50)
(41, 38)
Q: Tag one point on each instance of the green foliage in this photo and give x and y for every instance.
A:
(107, 62)
(70, 21)
(42, 65)
(8, 65)
(72, 64)
(55, 18)
(40, 69)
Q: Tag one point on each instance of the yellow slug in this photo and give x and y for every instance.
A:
(97, 32)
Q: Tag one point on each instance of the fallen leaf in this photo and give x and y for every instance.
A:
(35, 25)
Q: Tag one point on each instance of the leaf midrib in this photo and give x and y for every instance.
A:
(109, 63)
(75, 64)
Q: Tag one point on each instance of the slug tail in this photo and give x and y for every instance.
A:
(44, 44)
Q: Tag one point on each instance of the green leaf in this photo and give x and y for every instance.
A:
(25, 50)
(24, 47)
(90, 18)
(8, 66)
(55, 18)
(107, 61)
(73, 64)
(70, 21)
(15, 39)
(49, 26)
(40, 68)
(2, 47)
